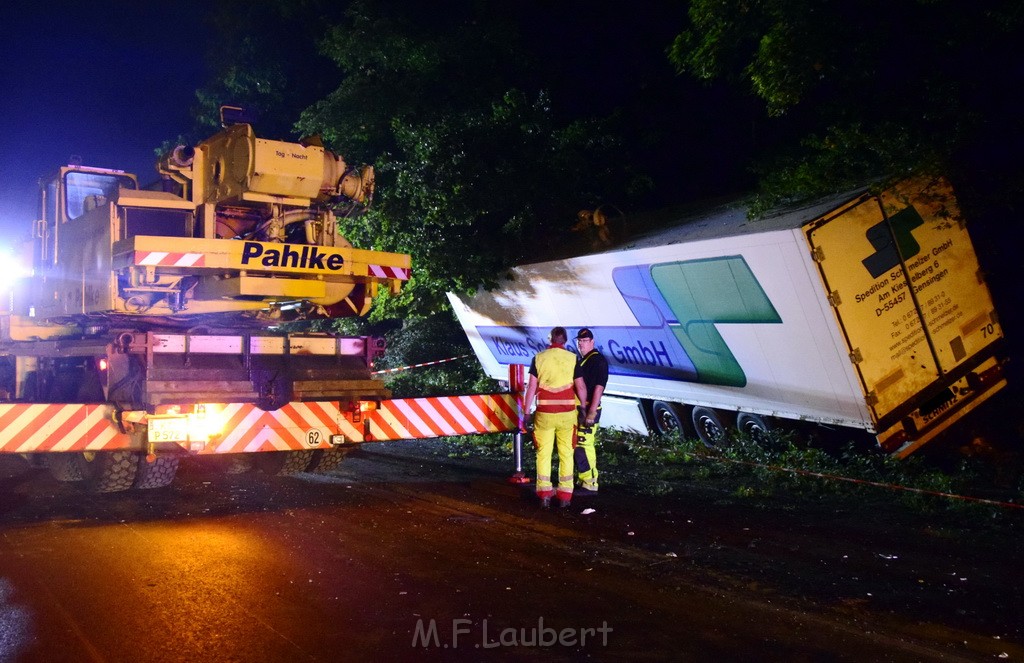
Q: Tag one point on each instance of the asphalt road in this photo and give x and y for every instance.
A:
(400, 555)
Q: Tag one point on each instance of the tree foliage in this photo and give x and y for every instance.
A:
(866, 88)
(475, 169)
(861, 89)
(265, 59)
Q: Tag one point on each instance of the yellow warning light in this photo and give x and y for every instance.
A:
(206, 421)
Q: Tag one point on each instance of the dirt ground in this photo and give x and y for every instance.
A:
(925, 559)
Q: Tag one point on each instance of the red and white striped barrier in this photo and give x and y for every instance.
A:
(417, 418)
(37, 427)
(385, 272)
(166, 259)
(34, 427)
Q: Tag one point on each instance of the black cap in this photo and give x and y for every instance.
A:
(585, 333)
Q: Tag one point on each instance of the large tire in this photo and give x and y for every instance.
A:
(708, 426)
(753, 426)
(669, 418)
(156, 473)
(66, 467)
(285, 463)
(326, 460)
(110, 471)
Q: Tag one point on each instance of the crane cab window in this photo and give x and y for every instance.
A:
(87, 191)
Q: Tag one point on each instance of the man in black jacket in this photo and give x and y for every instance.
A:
(594, 371)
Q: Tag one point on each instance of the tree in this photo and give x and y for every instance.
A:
(867, 88)
(265, 59)
(476, 170)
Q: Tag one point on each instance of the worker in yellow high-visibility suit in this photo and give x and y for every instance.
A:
(556, 383)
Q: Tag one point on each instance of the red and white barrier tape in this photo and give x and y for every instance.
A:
(428, 363)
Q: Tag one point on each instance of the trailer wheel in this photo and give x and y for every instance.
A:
(285, 463)
(155, 473)
(709, 427)
(754, 426)
(109, 471)
(326, 460)
(668, 418)
(66, 466)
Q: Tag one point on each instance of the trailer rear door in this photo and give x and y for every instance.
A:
(905, 285)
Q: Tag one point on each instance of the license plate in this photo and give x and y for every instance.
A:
(168, 429)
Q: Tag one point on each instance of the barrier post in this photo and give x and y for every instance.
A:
(517, 385)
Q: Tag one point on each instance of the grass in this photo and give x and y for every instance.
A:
(783, 466)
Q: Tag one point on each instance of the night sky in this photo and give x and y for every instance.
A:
(108, 82)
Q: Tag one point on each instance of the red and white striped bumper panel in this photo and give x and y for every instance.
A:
(383, 272)
(165, 259)
(34, 428)
(415, 418)
(27, 428)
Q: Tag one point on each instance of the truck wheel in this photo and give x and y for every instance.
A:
(156, 473)
(109, 471)
(326, 460)
(754, 426)
(668, 418)
(709, 427)
(66, 466)
(284, 463)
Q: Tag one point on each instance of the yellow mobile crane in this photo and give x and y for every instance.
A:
(246, 233)
(148, 326)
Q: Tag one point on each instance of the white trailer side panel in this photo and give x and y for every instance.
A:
(736, 323)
